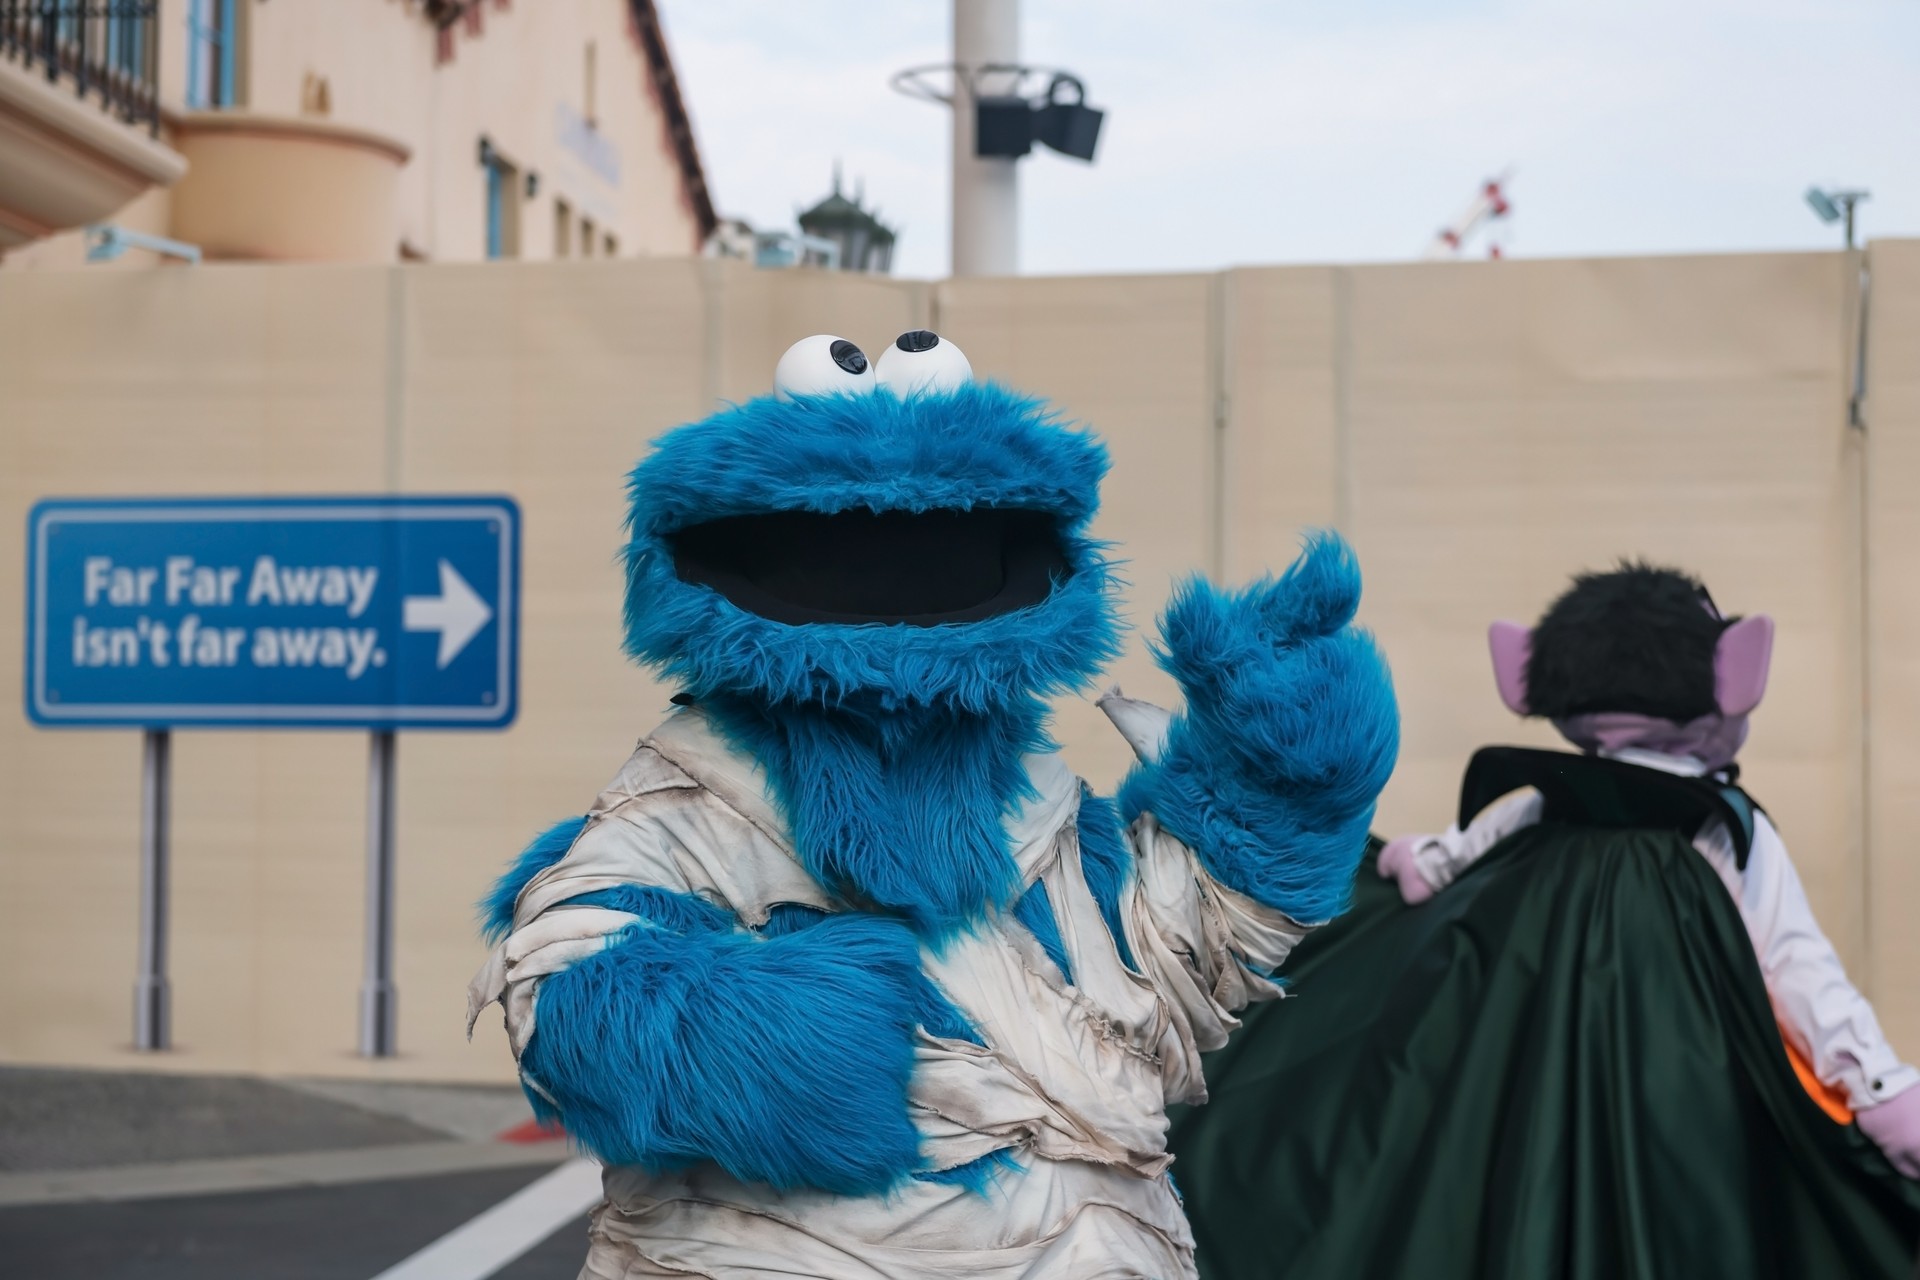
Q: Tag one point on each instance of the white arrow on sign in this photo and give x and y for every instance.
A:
(457, 613)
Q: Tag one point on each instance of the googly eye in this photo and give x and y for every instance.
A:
(822, 365)
(921, 360)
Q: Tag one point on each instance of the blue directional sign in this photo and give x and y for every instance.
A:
(378, 612)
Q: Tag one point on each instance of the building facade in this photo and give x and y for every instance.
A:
(345, 130)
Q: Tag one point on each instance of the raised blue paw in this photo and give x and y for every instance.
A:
(1289, 732)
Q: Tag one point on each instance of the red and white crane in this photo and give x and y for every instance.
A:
(1489, 208)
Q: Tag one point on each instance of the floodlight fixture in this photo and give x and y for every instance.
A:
(1070, 127)
(1014, 106)
(1002, 127)
(1836, 206)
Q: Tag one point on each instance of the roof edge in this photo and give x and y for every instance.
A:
(679, 126)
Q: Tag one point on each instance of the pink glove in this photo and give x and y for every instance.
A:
(1894, 1126)
(1396, 863)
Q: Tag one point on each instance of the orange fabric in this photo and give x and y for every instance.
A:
(1831, 1100)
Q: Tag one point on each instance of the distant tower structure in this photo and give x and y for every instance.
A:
(863, 241)
(1488, 211)
(838, 234)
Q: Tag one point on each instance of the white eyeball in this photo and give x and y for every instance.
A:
(921, 360)
(822, 365)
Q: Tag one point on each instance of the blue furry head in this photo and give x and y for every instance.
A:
(926, 549)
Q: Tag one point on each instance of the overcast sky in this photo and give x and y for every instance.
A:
(1268, 131)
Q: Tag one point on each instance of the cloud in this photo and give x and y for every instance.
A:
(1243, 131)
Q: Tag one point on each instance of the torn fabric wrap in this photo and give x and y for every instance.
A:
(1071, 1083)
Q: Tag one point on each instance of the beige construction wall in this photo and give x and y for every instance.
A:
(1891, 887)
(1502, 427)
(1479, 430)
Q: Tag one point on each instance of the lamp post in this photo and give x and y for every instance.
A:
(996, 120)
(1835, 206)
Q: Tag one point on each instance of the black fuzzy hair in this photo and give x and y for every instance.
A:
(1638, 638)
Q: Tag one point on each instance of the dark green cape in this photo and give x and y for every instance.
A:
(1563, 1065)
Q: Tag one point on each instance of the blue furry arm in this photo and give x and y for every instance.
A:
(551, 845)
(785, 1059)
(1289, 732)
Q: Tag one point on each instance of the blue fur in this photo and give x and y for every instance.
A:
(1035, 911)
(790, 917)
(977, 1176)
(898, 810)
(785, 1060)
(980, 445)
(1106, 860)
(936, 1014)
(544, 1112)
(686, 913)
(939, 1016)
(683, 913)
(551, 845)
(1290, 731)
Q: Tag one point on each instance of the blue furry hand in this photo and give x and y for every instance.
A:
(1289, 732)
(785, 1060)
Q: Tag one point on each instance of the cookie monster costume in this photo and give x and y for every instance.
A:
(1592, 1029)
(846, 974)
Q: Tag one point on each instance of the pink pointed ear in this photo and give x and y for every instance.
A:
(1740, 664)
(1512, 646)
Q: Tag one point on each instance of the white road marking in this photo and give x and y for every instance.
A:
(489, 1242)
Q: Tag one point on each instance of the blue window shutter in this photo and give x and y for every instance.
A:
(196, 51)
(496, 231)
(228, 51)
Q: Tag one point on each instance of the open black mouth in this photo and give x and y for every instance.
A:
(920, 568)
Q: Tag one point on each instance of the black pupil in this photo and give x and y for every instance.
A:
(917, 340)
(848, 356)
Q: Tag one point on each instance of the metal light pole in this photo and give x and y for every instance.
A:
(1838, 206)
(986, 192)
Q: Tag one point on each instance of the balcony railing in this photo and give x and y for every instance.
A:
(107, 48)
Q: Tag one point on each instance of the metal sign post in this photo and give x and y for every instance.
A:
(375, 613)
(152, 993)
(378, 998)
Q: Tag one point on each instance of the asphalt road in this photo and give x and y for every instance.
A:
(146, 1176)
(306, 1233)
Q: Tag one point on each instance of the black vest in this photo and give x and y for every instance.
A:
(1592, 791)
